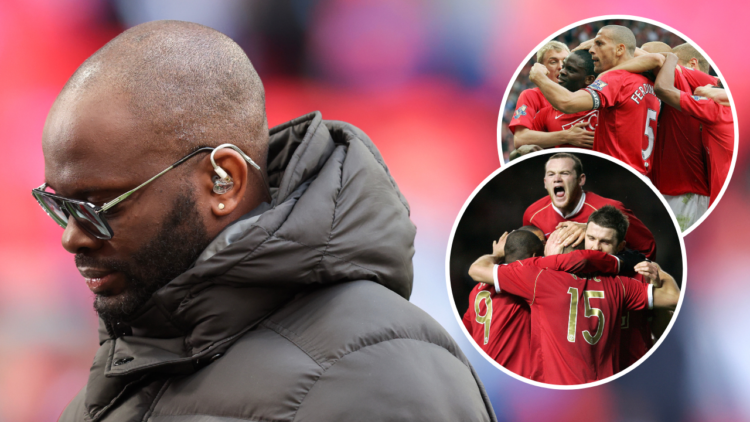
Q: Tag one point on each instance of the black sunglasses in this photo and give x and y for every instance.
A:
(90, 217)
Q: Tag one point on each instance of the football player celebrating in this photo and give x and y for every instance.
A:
(718, 126)
(500, 324)
(551, 128)
(680, 161)
(585, 349)
(530, 101)
(568, 206)
(627, 106)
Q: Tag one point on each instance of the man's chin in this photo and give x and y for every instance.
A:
(117, 307)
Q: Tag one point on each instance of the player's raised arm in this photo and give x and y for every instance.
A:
(666, 292)
(481, 270)
(641, 63)
(560, 98)
(664, 86)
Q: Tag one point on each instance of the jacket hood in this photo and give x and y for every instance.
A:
(337, 216)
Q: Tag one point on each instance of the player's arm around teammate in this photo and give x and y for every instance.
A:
(664, 86)
(666, 291)
(560, 98)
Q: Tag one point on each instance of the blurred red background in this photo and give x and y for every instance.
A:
(425, 80)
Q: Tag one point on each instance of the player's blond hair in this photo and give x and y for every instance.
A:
(685, 52)
(552, 45)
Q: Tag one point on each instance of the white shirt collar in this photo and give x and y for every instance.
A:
(575, 211)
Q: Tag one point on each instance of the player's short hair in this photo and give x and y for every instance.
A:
(552, 45)
(534, 229)
(610, 217)
(571, 248)
(522, 244)
(588, 62)
(577, 165)
(622, 35)
(685, 52)
(656, 47)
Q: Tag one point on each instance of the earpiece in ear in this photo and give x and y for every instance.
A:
(222, 185)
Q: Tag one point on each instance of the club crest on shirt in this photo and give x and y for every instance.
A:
(598, 85)
(698, 97)
(520, 112)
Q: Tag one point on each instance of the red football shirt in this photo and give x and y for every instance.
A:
(717, 135)
(546, 216)
(501, 323)
(680, 162)
(528, 105)
(550, 120)
(635, 337)
(577, 319)
(628, 110)
(696, 78)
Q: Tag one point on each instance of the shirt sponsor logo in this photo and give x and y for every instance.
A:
(598, 85)
(698, 97)
(520, 112)
(591, 119)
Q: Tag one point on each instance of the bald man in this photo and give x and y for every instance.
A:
(628, 108)
(237, 274)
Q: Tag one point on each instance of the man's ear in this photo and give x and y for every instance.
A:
(582, 179)
(236, 167)
(589, 79)
(620, 247)
(693, 63)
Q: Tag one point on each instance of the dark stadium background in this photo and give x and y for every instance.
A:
(499, 206)
(425, 80)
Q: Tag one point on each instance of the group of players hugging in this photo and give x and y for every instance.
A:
(655, 108)
(562, 300)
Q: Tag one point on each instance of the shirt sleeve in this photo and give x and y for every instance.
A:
(539, 123)
(580, 262)
(639, 237)
(517, 278)
(696, 78)
(638, 295)
(525, 112)
(605, 90)
(703, 109)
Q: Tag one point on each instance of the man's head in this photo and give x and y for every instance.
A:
(536, 230)
(613, 45)
(551, 55)
(689, 56)
(656, 47)
(577, 71)
(522, 244)
(146, 99)
(564, 180)
(606, 230)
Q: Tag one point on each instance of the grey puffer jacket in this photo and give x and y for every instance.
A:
(296, 312)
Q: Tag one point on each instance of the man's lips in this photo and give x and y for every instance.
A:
(100, 281)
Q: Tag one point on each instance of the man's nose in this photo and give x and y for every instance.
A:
(74, 238)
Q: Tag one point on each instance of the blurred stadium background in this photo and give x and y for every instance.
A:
(425, 80)
(644, 32)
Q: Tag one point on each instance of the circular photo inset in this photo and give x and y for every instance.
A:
(637, 91)
(566, 268)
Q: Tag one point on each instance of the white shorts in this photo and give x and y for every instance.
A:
(688, 208)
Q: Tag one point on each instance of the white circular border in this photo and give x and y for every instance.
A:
(655, 23)
(656, 345)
